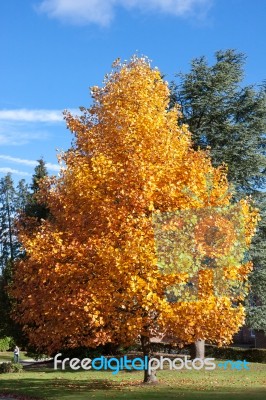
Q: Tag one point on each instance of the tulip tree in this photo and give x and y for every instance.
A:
(92, 272)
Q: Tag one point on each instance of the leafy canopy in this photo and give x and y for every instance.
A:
(91, 274)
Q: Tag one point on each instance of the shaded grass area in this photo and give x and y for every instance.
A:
(45, 383)
(6, 356)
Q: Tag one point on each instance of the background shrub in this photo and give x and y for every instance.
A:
(236, 353)
(6, 343)
(8, 367)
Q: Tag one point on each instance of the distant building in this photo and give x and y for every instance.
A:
(250, 338)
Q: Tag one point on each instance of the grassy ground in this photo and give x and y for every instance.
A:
(45, 383)
(6, 356)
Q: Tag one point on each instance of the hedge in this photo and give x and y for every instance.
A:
(236, 353)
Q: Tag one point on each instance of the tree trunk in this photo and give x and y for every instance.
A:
(149, 376)
(197, 349)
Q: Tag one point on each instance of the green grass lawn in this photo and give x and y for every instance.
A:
(6, 356)
(45, 383)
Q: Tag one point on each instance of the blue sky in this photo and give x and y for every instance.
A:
(52, 51)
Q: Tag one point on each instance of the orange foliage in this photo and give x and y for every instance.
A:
(91, 273)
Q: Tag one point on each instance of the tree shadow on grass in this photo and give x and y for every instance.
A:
(60, 388)
(55, 388)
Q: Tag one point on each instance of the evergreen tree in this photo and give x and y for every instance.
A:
(230, 119)
(11, 202)
(225, 116)
(22, 196)
(7, 212)
(18, 203)
(34, 208)
(256, 317)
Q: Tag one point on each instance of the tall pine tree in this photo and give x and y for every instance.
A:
(12, 200)
(16, 203)
(7, 213)
(230, 119)
(34, 208)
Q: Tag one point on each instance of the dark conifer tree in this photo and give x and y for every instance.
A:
(231, 119)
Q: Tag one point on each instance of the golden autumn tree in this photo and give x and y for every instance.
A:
(92, 272)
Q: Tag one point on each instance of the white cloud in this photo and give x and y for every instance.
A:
(7, 170)
(17, 133)
(101, 12)
(21, 126)
(31, 115)
(30, 163)
(79, 11)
